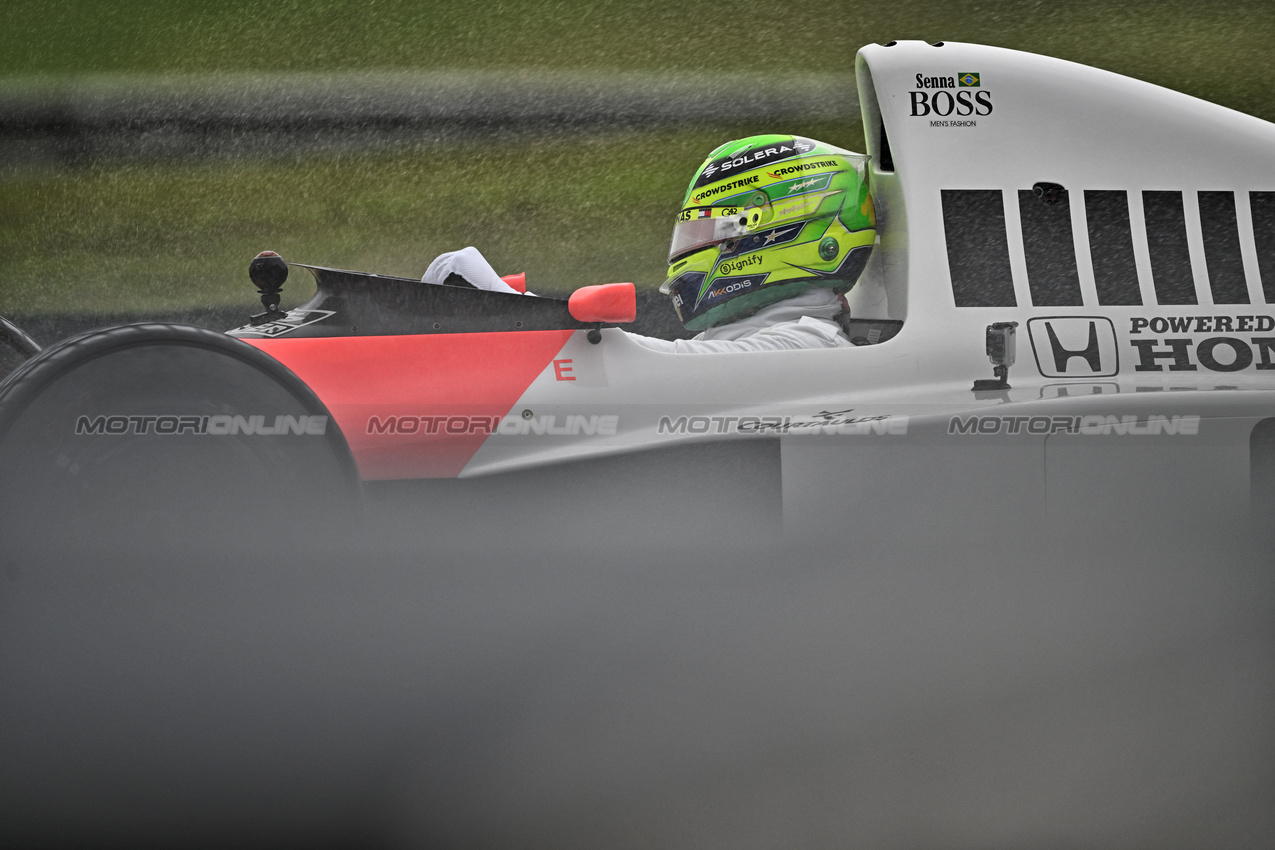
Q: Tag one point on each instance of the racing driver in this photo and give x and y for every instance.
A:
(773, 231)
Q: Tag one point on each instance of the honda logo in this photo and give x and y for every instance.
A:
(1074, 346)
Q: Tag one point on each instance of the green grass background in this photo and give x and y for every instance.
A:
(569, 211)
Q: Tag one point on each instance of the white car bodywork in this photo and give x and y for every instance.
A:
(1144, 341)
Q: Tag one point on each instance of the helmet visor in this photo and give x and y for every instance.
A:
(699, 227)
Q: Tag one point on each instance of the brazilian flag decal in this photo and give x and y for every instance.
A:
(967, 80)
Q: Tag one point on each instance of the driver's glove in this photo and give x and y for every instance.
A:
(468, 267)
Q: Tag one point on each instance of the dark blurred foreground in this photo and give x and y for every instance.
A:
(471, 667)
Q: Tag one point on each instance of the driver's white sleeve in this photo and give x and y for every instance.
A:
(804, 333)
(470, 264)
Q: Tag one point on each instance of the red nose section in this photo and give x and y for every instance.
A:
(610, 303)
(453, 390)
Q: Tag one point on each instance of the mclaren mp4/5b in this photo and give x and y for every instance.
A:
(1069, 314)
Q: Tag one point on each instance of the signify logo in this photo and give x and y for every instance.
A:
(735, 265)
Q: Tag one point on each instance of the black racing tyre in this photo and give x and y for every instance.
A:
(160, 434)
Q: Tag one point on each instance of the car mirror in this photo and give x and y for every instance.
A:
(608, 304)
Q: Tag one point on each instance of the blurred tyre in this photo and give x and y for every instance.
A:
(161, 434)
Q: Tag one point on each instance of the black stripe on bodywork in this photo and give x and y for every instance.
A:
(1222, 248)
(1049, 251)
(1111, 247)
(1166, 242)
(1262, 205)
(977, 248)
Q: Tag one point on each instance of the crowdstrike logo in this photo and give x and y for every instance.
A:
(742, 183)
(802, 166)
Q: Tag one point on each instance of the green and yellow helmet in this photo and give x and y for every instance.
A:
(766, 218)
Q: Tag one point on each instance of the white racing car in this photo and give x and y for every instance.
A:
(1070, 314)
(985, 578)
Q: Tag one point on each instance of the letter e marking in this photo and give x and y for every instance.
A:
(562, 370)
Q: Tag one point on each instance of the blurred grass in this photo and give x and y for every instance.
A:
(1190, 46)
(570, 211)
(156, 237)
